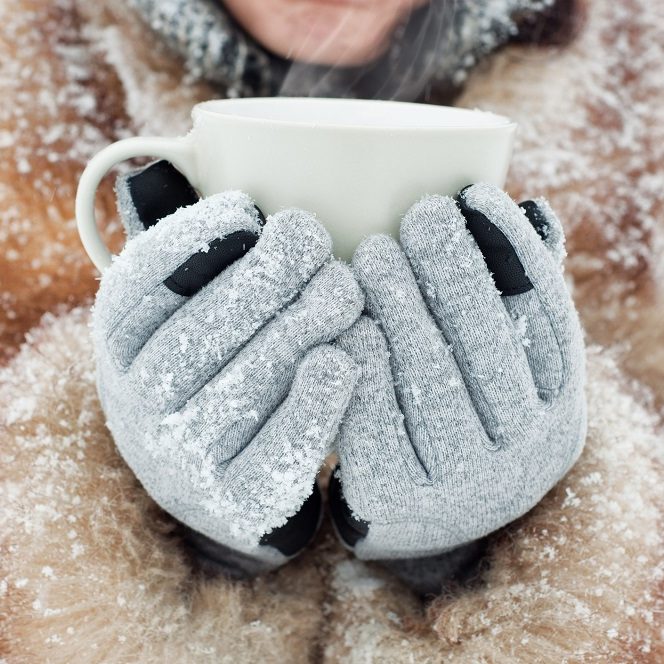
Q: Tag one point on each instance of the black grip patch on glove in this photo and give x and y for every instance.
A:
(159, 190)
(350, 528)
(501, 258)
(300, 529)
(201, 268)
(536, 218)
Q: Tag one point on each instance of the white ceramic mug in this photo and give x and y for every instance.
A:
(359, 165)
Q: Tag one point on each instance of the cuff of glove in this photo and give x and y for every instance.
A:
(424, 575)
(280, 545)
(215, 559)
(432, 574)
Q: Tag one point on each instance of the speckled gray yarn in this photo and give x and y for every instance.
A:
(226, 403)
(436, 46)
(213, 47)
(469, 406)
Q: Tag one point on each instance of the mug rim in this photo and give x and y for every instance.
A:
(211, 108)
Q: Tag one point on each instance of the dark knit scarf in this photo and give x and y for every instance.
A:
(434, 49)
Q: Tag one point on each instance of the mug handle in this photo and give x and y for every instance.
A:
(179, 151)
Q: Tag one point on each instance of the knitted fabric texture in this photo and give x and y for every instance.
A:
(469, 405)
(225, 404)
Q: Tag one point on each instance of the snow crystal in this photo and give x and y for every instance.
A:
(353, 576)
(521, 327)
(571, 499)
(21, 409)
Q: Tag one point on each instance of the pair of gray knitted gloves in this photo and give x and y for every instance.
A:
(235, 354)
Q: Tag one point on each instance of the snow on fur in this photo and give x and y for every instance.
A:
(92, 570)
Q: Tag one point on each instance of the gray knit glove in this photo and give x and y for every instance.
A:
(221, 392)
(470, 405)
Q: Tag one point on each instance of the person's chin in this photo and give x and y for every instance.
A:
(334, 42)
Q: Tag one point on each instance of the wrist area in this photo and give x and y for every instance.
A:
(427, 574)
(275, 548)
(430, 575)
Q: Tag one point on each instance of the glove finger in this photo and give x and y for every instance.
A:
(378, 464)
(268, 481)
(134, 298)
(428, 384)
(189, 349)
(148, 195)
(229, 411)
(463, 299)
(151, 193)
(543, 312)
(526, 310)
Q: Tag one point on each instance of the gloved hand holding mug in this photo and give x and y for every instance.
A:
(215, 372)
(469, 405)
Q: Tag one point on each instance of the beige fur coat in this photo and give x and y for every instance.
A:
(90, 569)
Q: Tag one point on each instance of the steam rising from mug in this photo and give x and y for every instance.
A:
(435, 46)
(402, 72)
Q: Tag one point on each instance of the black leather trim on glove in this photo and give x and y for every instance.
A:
(501, 259)
(290, 539)
(160, 189)
(425, 575)
(349, 528)
(214, 559)
(430, 575)
(156, 191)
